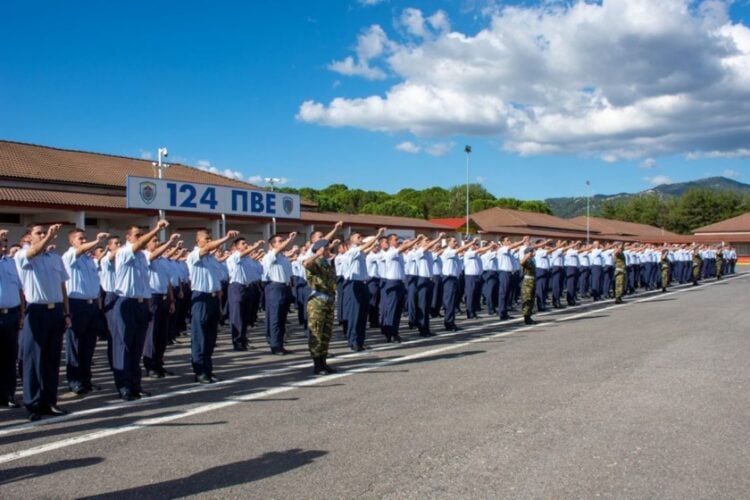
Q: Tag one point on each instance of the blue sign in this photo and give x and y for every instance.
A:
(179, 196)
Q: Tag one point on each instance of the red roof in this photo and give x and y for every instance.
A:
(451, 222)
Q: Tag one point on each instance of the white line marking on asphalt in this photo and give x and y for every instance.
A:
(150, 422)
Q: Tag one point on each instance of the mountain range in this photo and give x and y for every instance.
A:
(575, 206)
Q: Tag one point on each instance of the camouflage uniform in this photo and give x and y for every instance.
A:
(664, 271)
(619, 276)
(321, 278)
(697, 264)
(528, 286)
(719, 263)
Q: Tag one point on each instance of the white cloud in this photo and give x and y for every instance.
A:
(203, 164)
(731, 174)
(370, 3)
(658, 180)
(260, 180)
(371, 43)
(146, 155)
(621, 79)
(206, 166)
(648, 163)
(408, 147)
(439, 148)
(735, 153)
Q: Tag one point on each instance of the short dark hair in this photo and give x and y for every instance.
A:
(274, 236)
(238, 239)
(112, 237)
(75, 230)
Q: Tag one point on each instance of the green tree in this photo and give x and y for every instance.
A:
(392, 207)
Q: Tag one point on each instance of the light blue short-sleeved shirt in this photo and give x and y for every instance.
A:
(205, 272)
(276, 267)
(373, 269)
(472, 263)
(424, 263)
(394, 264)
(107, 274)
(410, 263)
(540, 259)
(10, 284)
(504, 260)
(158, 275)
(42, 277)
(83, 279)
(489, 261)
(450, 260)
(571, 258)
(241, 269)
(131, 273)
(356, 265)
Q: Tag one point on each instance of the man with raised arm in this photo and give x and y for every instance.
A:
(11, 320)
(242, 273)
(205, 303)
(393, 288)
(162, 305)
(278, 271)
(131, 311)
(85, 306)
(451, 268)
(47, 316)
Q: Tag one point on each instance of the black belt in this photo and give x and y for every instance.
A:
(8, 310)
(87, 301)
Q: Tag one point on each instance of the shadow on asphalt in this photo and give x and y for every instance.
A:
(189, 424)
(32, 471)
(223, 476)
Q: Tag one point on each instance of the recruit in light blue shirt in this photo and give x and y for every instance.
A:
(205, 272)
(83, 279)
(42, 277)
(10, 284)
(131, 273)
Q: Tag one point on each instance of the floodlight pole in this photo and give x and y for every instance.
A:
(271, 181)
(588, 211)
(467, 150)
(160, 167)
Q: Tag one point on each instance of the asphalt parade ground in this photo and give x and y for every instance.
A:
(648, 399)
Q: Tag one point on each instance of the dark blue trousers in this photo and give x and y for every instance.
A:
(206, 312)
(437, 296)
(504, 295)
(301, 293)
(471, 294)
(584, 280)
(238, 303)
(489, 290)
(540, 285)
(392, 302)
(571, 284)
(131, 318)
(411, 299)
(108, 308)
(450, 296)
(557, 279)
(157, 333)
(8, 352)
(340, 300)
(277, 305)
(608, 276)
(373, 286)
(80, 342)
(356, 303)
(41, 342)
(596, 282)
(424, 300)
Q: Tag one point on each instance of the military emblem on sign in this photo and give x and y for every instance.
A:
(287, 204)
(148, 192)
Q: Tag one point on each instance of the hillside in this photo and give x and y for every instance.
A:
(575, 206)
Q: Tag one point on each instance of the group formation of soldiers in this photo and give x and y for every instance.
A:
(139, 293)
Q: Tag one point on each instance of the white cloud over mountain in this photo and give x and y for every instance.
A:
(621, 79)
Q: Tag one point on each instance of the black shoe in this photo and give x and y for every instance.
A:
(79, 390)
(528, 320)
(128, 396)
(663, 290)
(55, 411)
(168, 373)
(203, 379)
(240, 347)
(93, 387)
(156, 374)
(504, 317)
(318, 367)
(325, 365)
(214, 378)
(396, 339)
(618, 301)
(10, 403)
(141, 394)
(34, 416)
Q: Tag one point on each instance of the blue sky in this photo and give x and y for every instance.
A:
(548, 94)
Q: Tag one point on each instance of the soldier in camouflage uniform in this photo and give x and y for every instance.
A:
(664, 263)
(528, 285)
(321, 277)
(697, 265)
(720, 261)
(620, 275)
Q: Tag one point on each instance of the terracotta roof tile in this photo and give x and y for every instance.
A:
(494, 217)
(371, 220)
(61, 198)
(620, 228)
(739, 224)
